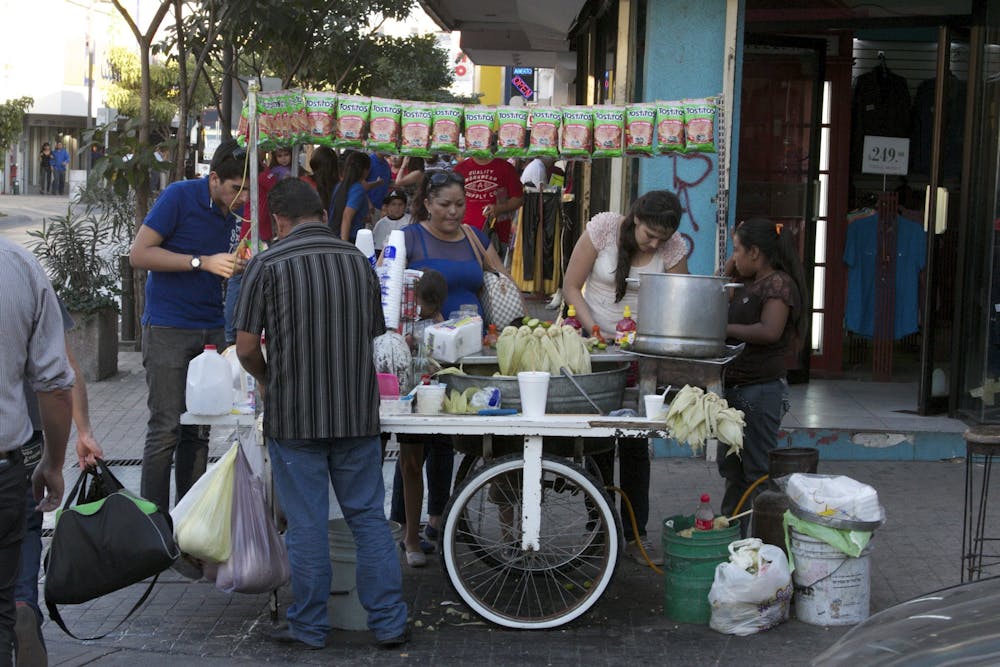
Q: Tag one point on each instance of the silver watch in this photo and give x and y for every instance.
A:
(195, 263)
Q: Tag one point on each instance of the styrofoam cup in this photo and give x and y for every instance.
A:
(534, 389)
(655, 408)
(430, 399)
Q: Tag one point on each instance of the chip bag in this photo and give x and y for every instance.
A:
(479, 127)
(640, 121)
(298, 118)
(272, 120)
(321, 110)
(544, 138)
(577, 139)
(416, 121)
(699, 124)
(352, 117)
(512, 132)
(384, 125)
(609, 128)
(446, 127)
(670, 127)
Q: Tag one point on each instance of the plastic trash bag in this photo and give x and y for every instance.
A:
(833, 497)
(259, 560)
(202, 519)
(752, 591)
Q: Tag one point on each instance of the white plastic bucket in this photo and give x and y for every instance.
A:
(346, 612)
(831, 588)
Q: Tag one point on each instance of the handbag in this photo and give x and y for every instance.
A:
(502, 301)
(109, 539)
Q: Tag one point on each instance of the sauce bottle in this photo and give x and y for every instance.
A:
(595, 333)
(490, 339)
(625, 329)
(571, 319)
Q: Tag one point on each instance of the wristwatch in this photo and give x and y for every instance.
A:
(195, 263)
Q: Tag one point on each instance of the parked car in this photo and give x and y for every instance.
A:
(959, 625)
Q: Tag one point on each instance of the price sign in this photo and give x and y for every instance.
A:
(886, 155)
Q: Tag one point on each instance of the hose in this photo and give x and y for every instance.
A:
(635, 527)
(746, 494)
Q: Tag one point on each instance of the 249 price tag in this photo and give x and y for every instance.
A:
(886, 155)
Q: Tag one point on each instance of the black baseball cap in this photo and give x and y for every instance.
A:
(229, 149)
(395, 193)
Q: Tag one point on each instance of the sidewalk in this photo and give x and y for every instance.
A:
(918, 550)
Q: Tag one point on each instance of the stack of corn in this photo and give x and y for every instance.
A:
(696, 415)
(542, 349)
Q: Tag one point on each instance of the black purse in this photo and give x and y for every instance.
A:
(110, 539)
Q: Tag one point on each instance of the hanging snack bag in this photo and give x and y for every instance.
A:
(416, 129)
(609, 128)
(544, 138)
(272, 121)
(352, 117)
(321, 108)
(640, 120)
(670, 127)
(577, 132)
(298, 118)
(446, 128)
(243, 130)
(384, 126)
(699, 124)
(512, 132)
(479, 128)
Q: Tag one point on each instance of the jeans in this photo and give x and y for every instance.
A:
(59, 181)
(633, 474)
(166, 352)
(301, 469)
(439, 460)
(233, 286)
(763, 405)
(13, 485)
(45, 186)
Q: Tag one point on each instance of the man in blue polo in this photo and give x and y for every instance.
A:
(184, 244)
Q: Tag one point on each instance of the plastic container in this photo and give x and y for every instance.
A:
(704, 517)
(689, 567)
(388, 385)
(346, 611)
(831, 588)
(625, 329)
(430, 398)
(656, 409)
(533, 387)
(209, 389)
(571, 319)
(490, 339)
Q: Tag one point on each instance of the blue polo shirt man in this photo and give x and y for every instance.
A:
(184, 244)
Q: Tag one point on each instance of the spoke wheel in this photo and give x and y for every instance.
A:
(578, 545)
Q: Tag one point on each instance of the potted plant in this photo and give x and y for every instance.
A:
(80, 252)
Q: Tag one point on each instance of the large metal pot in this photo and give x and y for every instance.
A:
(681, 315)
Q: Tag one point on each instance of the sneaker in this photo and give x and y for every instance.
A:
(395, 642)
(432, 534)
(632, 551)
(30, 645)
(283, 635)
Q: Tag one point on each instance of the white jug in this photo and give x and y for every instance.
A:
(209, 384)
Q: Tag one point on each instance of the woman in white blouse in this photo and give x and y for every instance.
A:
(612, 248)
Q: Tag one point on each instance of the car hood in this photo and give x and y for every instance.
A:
(957, 625)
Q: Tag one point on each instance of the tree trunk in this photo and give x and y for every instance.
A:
(182, 111)
(227, 92)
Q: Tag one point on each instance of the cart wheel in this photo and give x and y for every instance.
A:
(579, 545)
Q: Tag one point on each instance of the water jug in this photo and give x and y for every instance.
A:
(209, 388)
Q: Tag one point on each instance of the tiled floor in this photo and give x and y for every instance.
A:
(855, 405)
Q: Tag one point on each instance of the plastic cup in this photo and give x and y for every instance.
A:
(655, 408)
(430, 399)
(534, 389)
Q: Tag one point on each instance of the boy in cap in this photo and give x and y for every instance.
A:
(395, 217)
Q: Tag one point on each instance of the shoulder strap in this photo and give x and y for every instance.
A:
(477, 247)
(57, 617)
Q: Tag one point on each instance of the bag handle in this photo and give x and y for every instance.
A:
(481, 254)
(57, 617)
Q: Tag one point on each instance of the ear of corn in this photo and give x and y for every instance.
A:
(696, 415)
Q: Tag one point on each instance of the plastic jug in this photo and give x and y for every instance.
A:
(209, 388)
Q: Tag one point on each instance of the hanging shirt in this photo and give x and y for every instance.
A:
(861, 256)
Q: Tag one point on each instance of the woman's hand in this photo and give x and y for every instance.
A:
(581, 263)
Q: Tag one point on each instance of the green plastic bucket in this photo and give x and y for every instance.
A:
(689, 567)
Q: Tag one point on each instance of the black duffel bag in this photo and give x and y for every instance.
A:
(110, 539)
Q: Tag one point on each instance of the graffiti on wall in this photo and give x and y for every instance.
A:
(690, 170)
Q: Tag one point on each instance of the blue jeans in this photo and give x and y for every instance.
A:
(439, 461)
(59, 181)
(26, 588)
(13, 483)
(301, 469)
(233, 286)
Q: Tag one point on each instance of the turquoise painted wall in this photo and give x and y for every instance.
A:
(685, 47)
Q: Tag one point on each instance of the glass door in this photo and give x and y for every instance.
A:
(780, 121)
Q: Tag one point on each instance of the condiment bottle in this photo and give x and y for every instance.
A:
(595, 332)
(704, 517)
(625, 329)
(571, 319)
(490, 339)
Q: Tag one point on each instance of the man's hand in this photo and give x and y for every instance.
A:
(222, 264)
(87, 450)
(47, 485)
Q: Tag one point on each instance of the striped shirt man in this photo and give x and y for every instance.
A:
(319, 302)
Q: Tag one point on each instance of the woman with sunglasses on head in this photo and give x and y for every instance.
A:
(768, 314)
(436, 240)
(612, 248)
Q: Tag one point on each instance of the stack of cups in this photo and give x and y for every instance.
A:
(391, 277)
(534, 389)
(365, 242)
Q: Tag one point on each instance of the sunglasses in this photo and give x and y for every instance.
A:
(439, 178)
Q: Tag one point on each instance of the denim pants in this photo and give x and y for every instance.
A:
(633, 475)
(233, 286)
(301, 470)
(166, 352)
(13, 486)
(45, 186)
(763, 405)
(59, 181)
(439, 460)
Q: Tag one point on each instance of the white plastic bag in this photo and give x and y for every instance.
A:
(752, 591)
(203, 518)
(259, 561)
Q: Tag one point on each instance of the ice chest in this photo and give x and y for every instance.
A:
(453, 339)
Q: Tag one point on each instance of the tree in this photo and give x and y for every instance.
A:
(12, 121)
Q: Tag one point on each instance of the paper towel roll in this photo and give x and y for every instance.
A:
(365, 242)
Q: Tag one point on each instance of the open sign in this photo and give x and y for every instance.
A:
(522, 87)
